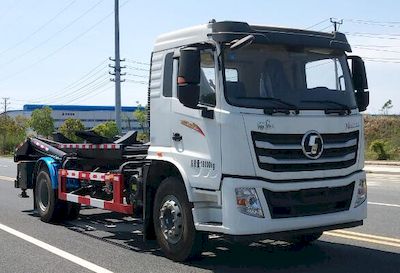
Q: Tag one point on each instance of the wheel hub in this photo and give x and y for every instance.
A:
(171, 219)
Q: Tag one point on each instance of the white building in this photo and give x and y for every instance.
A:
(89, 115)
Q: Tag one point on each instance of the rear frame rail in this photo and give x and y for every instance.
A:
(117, 204)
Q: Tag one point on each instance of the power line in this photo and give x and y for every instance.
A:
(135, 81)
(375, 34)
(381, 61)
(376, 46)
(52, 36)
(101, 90)
(136, 62)
(90, 91)
(392, 24)
(136, 75)
(137, 68)
(319, 23)
(76, 84)
(382, 58)
(322, 29)
(61, 93)
(376, 49)
(371, 35)
(11, 76)
(81, 90)
(39, 28)
(76, 92)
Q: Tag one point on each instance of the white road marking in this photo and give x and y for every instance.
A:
(56, 251)
(6, 178)
(384, 204)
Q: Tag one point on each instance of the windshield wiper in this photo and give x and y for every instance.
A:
(343, 110)
(275, 110)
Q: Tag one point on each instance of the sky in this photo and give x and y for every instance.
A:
(56, 52)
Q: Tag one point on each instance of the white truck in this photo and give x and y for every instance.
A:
(255, 132)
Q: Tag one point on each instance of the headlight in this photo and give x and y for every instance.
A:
(248, 203)
(361, 192)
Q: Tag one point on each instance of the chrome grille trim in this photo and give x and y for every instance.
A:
(270, 160)
(283, 152)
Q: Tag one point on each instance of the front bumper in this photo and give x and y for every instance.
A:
(233, 222)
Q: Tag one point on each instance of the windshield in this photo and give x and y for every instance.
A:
(262, 76)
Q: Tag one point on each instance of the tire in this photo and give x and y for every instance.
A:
(73, 210)
(47, 204)
(300, 241)
(171, 203)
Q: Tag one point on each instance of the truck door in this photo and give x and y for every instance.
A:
(195, 138)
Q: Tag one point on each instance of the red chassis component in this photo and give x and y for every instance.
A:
(117, 204)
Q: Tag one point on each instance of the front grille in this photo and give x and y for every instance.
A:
(308, 202)
(283, 152)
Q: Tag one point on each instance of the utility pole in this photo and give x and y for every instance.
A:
(336, 24)
(5, 103)
(117, 69)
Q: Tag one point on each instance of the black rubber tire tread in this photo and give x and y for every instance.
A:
(55, 210)
(304, 240)
(191, 244)
(73, 210)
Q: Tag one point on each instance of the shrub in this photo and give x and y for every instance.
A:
(379, 148)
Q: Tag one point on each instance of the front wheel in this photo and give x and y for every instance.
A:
(304, 239)
(173, 222)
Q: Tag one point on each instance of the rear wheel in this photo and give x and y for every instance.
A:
(173, 222)
(47, 204)
(73, 210)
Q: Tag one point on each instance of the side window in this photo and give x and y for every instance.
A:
(168, 68)
(207, 78)
(325, 73)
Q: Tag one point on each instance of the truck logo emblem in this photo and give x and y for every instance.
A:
(312, 145)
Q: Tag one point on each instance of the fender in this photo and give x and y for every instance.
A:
(185, 178)
(53, 166)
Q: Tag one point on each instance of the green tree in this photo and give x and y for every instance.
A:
(70, 127)
(42, 122)
(12, 132)
(386, 107)
(140, 115)
(107, 129)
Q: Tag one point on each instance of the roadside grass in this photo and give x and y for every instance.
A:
(382, 137)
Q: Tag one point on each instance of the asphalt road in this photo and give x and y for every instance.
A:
(103, 241)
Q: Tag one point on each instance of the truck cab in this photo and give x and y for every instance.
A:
(263, 124)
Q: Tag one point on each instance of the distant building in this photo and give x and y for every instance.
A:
(89, 115)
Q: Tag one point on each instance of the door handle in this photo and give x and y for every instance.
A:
(176, 137)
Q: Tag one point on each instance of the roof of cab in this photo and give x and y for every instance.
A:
(229, 30)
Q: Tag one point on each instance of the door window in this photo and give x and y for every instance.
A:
(207, 78)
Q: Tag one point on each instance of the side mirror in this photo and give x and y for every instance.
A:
(189, 77)
(360, 83)
(362, 99)
(358, 73)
